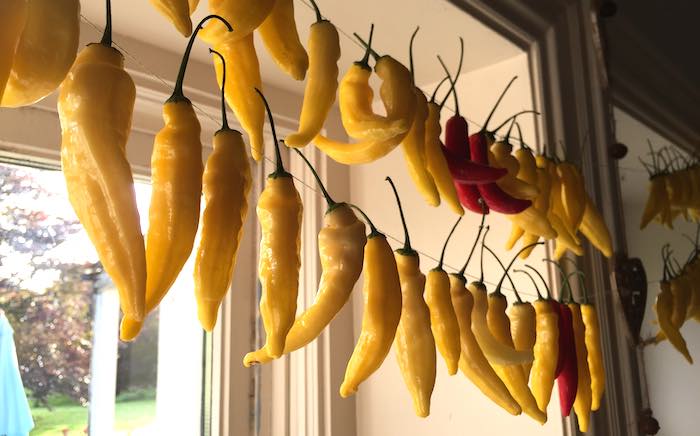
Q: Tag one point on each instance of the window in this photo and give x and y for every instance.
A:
(65, 314)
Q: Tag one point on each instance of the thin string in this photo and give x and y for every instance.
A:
(271, 161)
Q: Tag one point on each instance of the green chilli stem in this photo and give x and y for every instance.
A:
(532, 279)
(279, 165)
(486, 123)
(505, 273)
(444, 246)
(331, 203)
(544, 282)
(407, 242)
(224, 118)
(476, 241)
(373, 229)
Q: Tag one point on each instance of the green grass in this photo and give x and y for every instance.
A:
(132, 411)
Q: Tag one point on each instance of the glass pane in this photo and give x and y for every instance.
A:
(65, 315)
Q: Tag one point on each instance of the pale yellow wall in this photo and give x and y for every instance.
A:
(383, 403)
(674, 385)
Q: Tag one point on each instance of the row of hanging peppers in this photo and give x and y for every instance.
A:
(469, 329)
(678, 299)
(674, 187)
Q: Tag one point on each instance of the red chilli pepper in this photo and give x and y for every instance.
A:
(493, 195)
(456, 146)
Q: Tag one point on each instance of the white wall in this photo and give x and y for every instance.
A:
(383, 404)
(674, 385)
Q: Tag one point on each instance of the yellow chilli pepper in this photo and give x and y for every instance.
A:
(664, 311)
(341, 245)
(381, 289)
(542, 203)
(656, 201)
(177, 12)
(95, 107)
(546, 347)
(495, 351)
(443, 320)
(413, 145)
(280, 36)
(321, 83)
(243, 78)
(513, 376)
(472, 361)
(523, 329)
(415, 345)
(500, 155)
(13, 16)
(176, 180)
(280, 214)
(583, 401)
(573, 194)
(681, 292)
(595, 230)
(437, 165)
(226, 184)
(596, 368)
(45, 52)
(244, 15)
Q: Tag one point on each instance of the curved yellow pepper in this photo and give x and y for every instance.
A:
(523, 329)
(381, 289)
(415, 345)
(595, 230)
(280, 213)
(321, 83)
(341, 244)
(244, 15)
(500, 155)
(583, 401)
(13, 16)
(45, 52)
(95, 107)
(176, 190)
(177, 12)
(472, 361)
(226, 184)
(443, 320)
(243, 78)
(512, 375)
(595, 353)
(280, 36)
(573, 194)
(437, 165)
(664, 312)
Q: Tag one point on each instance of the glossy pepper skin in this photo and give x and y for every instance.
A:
(321, 83)
(472, 361)
(589, 317)
(45, 52)
(595, 229)
(243, 78)
(176, 190)
(512, 375)
(382, 311)
(546, 353)
(244, 15)
(573, 193)
(95, 108)
(664, 311)
(582, 403)
(280, 36)
(177, 12)
(437, 162)
(443, 320)
(341, 245)
(523, 329)
(279, 211)
(13, 16)
(415, 344)
(567, 366)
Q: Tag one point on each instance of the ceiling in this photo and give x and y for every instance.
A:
(441, 24)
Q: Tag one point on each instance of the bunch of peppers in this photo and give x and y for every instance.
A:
(674, 187)
(679, 298)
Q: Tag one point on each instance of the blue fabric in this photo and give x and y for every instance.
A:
(15, 416)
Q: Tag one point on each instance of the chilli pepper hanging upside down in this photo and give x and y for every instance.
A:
(322, 81)
(443, 320)
(244, 15)
(177, 12)
(546, 347)
(280, 214)
(280, 36)
(381, 289)
(176, 176)
(13, 16)
(415, 345)
(498, 323)
(95, 107)
(45, 52)
(341, 245)
(226, 184)
(472, 361)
